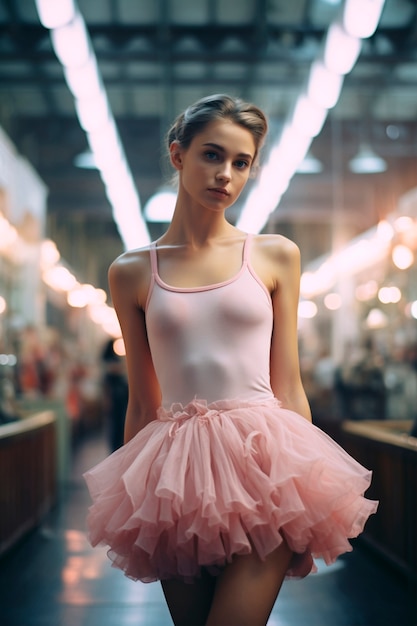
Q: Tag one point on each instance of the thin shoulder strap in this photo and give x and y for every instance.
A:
(247, 248)
(154, 259)
(154, 270)
(246, 261)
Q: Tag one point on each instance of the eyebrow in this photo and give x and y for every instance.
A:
(217, 147)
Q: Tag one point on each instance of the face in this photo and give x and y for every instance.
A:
(216, 166)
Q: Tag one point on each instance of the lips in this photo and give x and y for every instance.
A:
(220, 190)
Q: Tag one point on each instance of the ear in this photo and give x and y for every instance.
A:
(175, 154)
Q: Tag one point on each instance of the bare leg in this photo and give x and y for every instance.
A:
(189, 604)
(247, 589)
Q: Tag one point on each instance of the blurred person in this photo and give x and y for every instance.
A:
(115, 395)
(360, 382)
(35, 375)
(74, 403)
(401, 385)
(224, 487)
(323, 400)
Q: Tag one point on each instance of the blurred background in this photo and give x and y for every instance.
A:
(87, 93)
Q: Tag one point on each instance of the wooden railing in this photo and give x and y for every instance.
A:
(387, 449)
(27, 475)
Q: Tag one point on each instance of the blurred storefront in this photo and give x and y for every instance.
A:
(52, 331)
(358, 337)
(359, 309)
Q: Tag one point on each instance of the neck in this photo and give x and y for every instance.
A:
(197, 227)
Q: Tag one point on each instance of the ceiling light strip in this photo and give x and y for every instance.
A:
(341, 47)
(73, 48)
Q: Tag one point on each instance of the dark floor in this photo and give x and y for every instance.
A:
(54, 578)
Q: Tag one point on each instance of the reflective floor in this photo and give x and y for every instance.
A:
(54, 578)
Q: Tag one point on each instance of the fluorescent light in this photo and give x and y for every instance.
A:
(106, 146)
(341, 50)
(274, 177)
(115, 177)
(285, 157)
(338, 55)
(84, 81)
(358, 255)
(308, 116)
(361, 17)
(324, 86)
(55, 13)
(71, 42)
(367, 162)
(72, 46)
(93, 112)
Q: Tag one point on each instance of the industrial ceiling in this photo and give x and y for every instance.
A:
(158, 56)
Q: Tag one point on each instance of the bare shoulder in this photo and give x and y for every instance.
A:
(276, 260)
(131, 271)
(132, 261)
(277, 248)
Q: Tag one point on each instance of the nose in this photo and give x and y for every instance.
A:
(224, 171)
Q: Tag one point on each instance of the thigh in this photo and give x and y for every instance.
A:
(189, 604)
(247, 589)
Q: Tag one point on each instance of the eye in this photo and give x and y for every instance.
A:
(241, 164)
(210, 155)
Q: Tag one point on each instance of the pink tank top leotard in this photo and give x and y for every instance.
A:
(211, 342)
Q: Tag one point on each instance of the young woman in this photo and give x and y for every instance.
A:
(224, 486)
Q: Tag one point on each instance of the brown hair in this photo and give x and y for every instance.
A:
(217, 107)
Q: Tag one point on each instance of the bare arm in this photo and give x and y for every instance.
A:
(128, 280)
(285, 367)
(277, 262)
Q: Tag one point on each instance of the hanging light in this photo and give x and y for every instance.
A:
(333, 301)
(367, 161)
(310, 165)
(402, 257)
(307, 309)
(376, 319)
(160, 207)
(85, 160)
(388, 295)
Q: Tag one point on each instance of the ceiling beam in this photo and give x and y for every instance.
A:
(29, 80)
(16, 29)
(207, 42)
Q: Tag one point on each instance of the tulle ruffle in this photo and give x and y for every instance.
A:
(206, 481)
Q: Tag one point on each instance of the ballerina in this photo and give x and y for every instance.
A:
(224, 487)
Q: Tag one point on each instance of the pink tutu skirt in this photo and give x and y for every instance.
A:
(206, 481)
